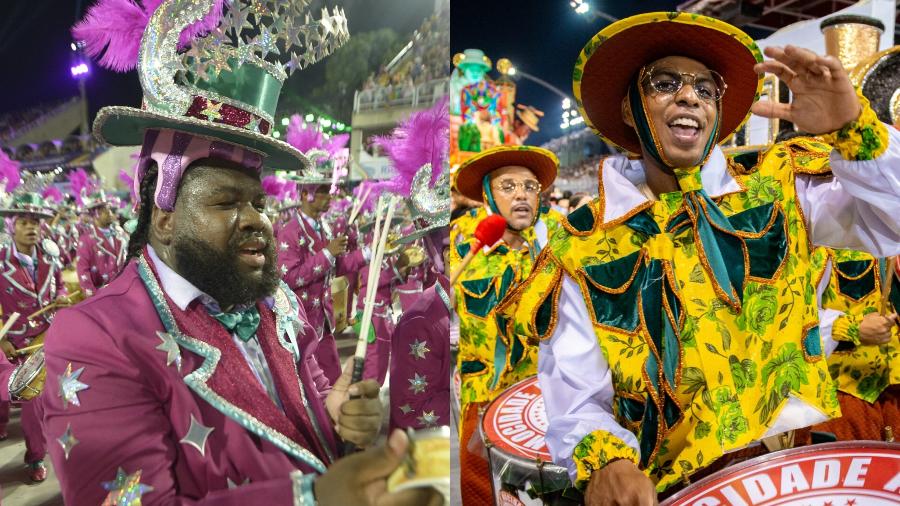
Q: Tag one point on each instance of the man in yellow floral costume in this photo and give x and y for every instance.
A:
(678, 325)
(508, 180)
(864, 351)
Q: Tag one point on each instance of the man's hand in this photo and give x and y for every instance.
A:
(823, 99)
(875, 329)
(361, 479)
(620, 483)
(338, 246)
(62, 301)
(356, 420)
(8, 349)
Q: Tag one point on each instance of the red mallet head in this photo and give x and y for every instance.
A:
(489, 230)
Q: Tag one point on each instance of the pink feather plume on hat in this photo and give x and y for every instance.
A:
(78, 182)
(118, 25)
(275, 187)
(422, 138)
(52, 193)
(9, 172)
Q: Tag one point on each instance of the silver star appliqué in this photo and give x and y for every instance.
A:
(69, 386)
(67, 440)
(316, 302)
(284, 269)
(168, 345)
(418, 349)
(428, 418)
(405, 409)
(418, 384)
(196, 435)
(300, 281)
(232, 484)
(283, 246)
(126, 488)
(317, 269)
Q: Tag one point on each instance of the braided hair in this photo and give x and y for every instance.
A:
(141, 234)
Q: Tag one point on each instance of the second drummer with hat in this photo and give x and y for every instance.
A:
(30, 282)
(508, 180)
(678, 325)
(101, 248)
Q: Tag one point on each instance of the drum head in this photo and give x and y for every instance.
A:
(513, 428)
(855, 473)
(27, 372)
(515, 422)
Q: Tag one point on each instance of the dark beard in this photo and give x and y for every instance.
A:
(216, 272)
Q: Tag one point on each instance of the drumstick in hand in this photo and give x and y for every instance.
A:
(27, 349)
(8, 325)
(488, 232)
(886, 287)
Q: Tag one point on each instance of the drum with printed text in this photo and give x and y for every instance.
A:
(513, 428)
(852, 473)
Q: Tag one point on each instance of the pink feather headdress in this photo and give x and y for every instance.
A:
(9, 173)
(275, 187)
(52, 193)
(117, 26)
(422, 138)
(78, 183)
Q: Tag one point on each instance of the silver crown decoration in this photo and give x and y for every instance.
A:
(259, 29)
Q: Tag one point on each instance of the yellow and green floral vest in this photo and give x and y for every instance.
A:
(726, 372)
(855, 288)
(491, 358)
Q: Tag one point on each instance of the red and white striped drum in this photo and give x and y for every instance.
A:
(857, 473)
(513, 428)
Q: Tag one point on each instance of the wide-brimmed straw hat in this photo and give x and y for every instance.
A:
(610, 60)
(543, 163)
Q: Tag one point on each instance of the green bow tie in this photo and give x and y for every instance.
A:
(243, 323)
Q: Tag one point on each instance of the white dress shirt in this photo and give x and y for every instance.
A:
(183, 292)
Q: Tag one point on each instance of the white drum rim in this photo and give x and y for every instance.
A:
(839, 445)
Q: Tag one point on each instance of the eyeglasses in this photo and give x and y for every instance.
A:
(708, 85)
(509, 186)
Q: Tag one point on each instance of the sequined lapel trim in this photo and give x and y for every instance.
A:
(286, 307)
(197, 380)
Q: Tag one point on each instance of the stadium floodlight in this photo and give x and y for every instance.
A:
(80, 70)
(309, 118)
(285, 121)
(580, 6)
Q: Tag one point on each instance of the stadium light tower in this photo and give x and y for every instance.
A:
(583, 8)
(80, 70)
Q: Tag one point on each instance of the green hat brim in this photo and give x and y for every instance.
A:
(125, 126)
(20, 212)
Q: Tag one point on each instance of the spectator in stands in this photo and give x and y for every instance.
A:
(578, 200)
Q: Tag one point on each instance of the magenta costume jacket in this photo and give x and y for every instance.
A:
(161, 400)
(19, 293)
(99, 258)
(420, 362)
(307, 268)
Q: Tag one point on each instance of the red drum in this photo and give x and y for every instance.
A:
(513, 428)
(857, 473)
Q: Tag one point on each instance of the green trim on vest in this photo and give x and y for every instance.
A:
(767, 252)
(482, 304)
(581, 219)
(855, 288)
(615, 310)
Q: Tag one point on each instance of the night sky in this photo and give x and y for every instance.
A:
(35, 39)
(540, 37)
